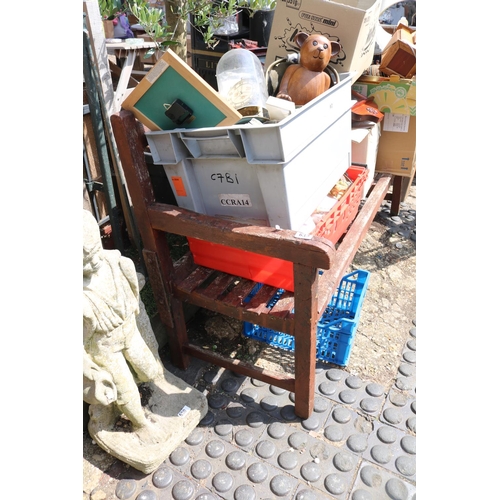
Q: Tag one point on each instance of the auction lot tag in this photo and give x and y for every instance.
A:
(235, 200)
(184, 411)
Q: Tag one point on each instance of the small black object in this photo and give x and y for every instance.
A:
(179, 112)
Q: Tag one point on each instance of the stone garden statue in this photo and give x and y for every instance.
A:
(111, 337)
(119, 353)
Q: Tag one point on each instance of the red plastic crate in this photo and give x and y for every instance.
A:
(335, 224)
(273, 271)
(250, 265)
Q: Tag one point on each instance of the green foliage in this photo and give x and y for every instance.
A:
(254, 5)
(208, 16)
(152, 21)
(148, 299)
(109, 8)
(205, 16)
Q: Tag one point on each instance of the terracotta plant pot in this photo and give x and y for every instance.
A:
(109, 29)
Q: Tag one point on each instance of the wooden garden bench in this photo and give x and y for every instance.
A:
(182, 281)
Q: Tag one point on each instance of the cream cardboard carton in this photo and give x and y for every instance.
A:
(351, 23)
(364, 148)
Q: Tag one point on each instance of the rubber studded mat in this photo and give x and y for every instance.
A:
(359, 443)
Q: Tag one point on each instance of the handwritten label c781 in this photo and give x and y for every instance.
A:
(225, 177)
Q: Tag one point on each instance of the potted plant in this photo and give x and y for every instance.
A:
(256, 5)
(261, 15)
(169, 26)
(152, 21)
(219, 19)
(108, 10)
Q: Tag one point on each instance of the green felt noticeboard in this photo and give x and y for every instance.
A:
(170, 86)
(170, 79)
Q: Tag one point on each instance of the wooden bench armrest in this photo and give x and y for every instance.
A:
(279, 243)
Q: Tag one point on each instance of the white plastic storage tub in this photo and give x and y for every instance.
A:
(283, 194)
(230, 189)
(259, 142)
(185, 186)
(166, 147)
(292, 191)
(214, 141)
(281, 141)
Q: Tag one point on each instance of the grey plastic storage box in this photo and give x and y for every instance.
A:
(283, 194)
(214, 141)
(166, 148)
(281, 141)
(264, 174)
(259, 142)
(185, 186)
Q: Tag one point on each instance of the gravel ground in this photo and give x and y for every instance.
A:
(389, 253)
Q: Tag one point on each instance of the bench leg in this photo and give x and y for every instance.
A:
(306, 315)
(397, 185)
(170, 310)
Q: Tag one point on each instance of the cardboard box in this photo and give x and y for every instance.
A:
(396, 98)
(364, 148)
(351, 23)
(391, 94)
(399, 57)
(406, 184)
(397, 150)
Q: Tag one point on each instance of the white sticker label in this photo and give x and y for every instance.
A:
(184, 411)
(303, 236)
(235, 200)
(396, 122)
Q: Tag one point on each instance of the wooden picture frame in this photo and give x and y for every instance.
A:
(170, 79)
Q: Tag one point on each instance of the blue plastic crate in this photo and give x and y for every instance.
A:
(348, 299)
(336, 327)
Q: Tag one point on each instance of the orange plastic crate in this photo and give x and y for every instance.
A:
(273, 271)
(335, 224)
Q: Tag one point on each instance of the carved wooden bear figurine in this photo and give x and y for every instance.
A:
(306, 80)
